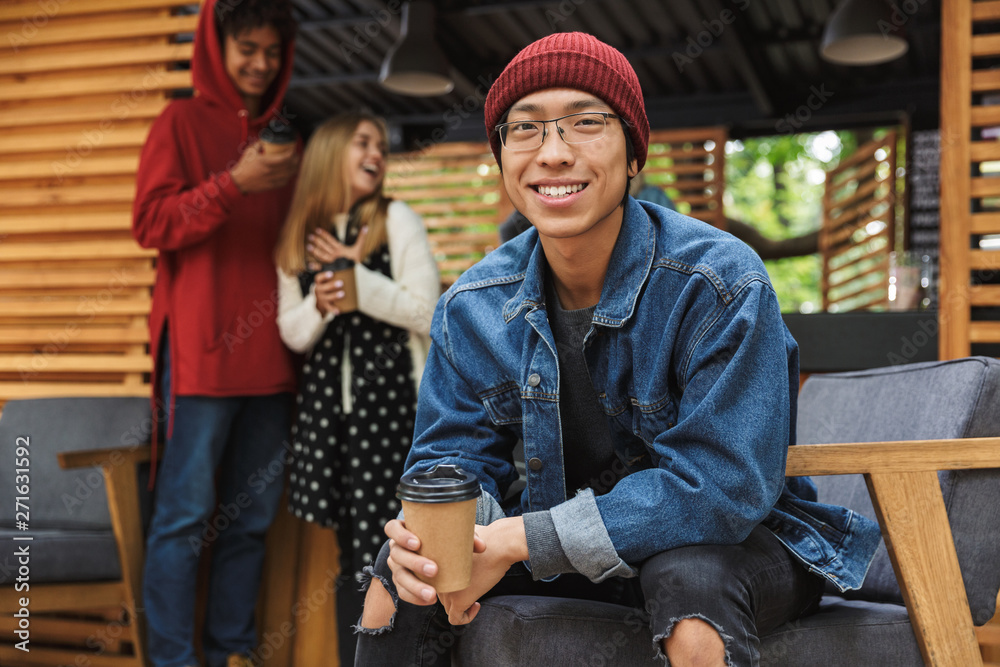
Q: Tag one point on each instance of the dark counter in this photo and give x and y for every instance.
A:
(854, 341)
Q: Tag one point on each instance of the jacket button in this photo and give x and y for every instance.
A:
(535, 463)
(534, 379)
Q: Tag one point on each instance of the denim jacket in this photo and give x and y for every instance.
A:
(697, 376)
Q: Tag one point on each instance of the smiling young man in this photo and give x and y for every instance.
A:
(213, 205)
(641, 358)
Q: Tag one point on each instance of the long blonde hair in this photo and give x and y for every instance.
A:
(323, 191)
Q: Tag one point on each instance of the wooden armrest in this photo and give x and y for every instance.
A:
(906, 496)
(893, 457)
(101, 457)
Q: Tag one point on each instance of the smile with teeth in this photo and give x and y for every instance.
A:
(559, 190)
(370, 168)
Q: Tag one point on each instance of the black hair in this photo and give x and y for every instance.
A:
(629, 158)
(234, 17)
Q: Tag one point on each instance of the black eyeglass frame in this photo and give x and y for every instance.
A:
(498, 128)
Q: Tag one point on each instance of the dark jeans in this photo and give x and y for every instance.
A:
(241, 438)
(742, 590)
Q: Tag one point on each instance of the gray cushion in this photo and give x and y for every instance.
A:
(70, 499)
(525, 630)
(947, 399)
(61, 555)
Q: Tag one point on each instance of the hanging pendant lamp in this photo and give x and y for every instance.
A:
(862, 32)
(416, 65)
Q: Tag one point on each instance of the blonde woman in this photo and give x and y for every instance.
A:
(357, 393)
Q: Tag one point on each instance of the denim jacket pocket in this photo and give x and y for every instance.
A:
(503, 404)
(649, 421)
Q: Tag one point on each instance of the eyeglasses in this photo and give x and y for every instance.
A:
(582, 128)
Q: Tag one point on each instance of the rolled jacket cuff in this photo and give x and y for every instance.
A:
(585, 540)
(545, 553)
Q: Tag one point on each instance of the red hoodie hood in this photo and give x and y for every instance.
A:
(211, 80)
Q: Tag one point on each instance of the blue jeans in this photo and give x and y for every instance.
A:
(241, 438)
(743, 590)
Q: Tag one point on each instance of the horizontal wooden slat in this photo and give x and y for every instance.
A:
(893, 457)
(118, 108)
(986, 11)
(985, 115)
(984, 151)
(985, 80)
(984, 295)
(15, 10)
(38, 224)
(10, 390)
(74, 363)
(984, 332)
(73, 335)
(58, 169)
(59, 32)
(432, 222)
(985, 186)
(116, 278)
(70, 195)
(863, 193)
(73, 249)
(984, 260)
(74, 308)
(687, 135)
(110, 83)
(984, 223)
(52, 656)
(402, 183)
(460, 191)
(985, 45)
(79, 143)
(64, 630)
(457, 207)
(30, 62)
(875, 293)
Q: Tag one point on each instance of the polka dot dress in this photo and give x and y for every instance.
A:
(345, 465)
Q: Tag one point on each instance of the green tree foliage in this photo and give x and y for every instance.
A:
(775, 183)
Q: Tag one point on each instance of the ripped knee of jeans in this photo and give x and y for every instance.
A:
(660, 639)
(376, 608)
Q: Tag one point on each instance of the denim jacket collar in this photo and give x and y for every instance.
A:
(628, 270)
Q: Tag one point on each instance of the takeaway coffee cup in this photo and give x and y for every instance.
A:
(278, 139)
(343, 269)
(439, 507)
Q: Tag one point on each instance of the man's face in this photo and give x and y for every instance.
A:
(253, 60)
(591, 176)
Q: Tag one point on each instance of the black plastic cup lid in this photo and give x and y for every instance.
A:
(440, 484)
(338, 264)
(278, 133)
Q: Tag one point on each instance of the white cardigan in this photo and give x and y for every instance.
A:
(406, 300)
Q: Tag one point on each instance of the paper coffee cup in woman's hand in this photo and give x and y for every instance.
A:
(343, 270)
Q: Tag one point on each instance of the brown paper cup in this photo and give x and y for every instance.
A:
(446, 532)
(349, 303)
(283, 149)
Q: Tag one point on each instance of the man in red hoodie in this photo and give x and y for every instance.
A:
(213, 203)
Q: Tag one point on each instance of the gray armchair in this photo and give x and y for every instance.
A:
(85, 523)
(942, 531)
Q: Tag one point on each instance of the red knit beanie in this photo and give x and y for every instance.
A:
(571, 60)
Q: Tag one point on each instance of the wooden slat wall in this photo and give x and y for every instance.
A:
(970, 184)
(858, 231)
(689, 164)
(456, 188)
(80, 83)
